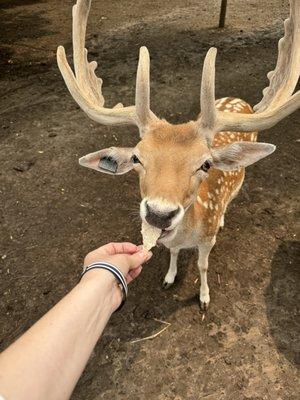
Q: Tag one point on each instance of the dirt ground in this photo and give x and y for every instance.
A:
(53, 211)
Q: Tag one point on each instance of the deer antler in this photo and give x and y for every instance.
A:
(277, 102)
(85, 86)
(284, 78)
(207, 95)
(208, 118)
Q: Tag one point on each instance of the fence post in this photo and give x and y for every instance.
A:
(222, 14)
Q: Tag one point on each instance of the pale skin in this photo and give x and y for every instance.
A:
(47, 361)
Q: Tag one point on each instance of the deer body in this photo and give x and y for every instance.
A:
(189, 172)
(203, 219)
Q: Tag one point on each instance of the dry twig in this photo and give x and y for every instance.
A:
(155, 334)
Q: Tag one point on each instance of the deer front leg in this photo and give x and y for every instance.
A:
(172, 271)
(204, 250)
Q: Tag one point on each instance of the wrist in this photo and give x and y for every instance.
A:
(106, 285)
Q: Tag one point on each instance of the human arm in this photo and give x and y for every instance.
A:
(47, 361)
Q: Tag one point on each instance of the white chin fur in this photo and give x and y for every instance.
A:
(168, 238)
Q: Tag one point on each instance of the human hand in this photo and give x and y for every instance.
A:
(127, 257)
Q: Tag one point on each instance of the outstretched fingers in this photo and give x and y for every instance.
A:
(120, 248)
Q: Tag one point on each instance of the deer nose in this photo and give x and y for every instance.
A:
(158, 218)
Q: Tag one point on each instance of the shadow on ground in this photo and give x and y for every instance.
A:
(283, 299)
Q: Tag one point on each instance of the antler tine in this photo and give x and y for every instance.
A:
(277, 102)
(84, 71)
(142, 90)
(106, 116)
(84, 85)
(208, 115)
(283, 79)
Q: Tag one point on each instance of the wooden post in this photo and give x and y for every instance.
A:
(222, 14)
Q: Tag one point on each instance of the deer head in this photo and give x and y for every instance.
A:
(172, 160)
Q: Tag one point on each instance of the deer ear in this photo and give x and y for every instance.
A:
(115, 160)
(240, 154)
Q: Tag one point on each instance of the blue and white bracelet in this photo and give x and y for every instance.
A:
(116, 272)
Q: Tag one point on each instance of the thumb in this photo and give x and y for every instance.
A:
(139, 258)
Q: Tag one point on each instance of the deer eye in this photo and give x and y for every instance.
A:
(205, 166)
(135, 159)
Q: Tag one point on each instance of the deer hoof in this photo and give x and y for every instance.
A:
(166, 285)
(204, 306)
(204, 301)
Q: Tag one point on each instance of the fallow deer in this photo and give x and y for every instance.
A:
(190, 172)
